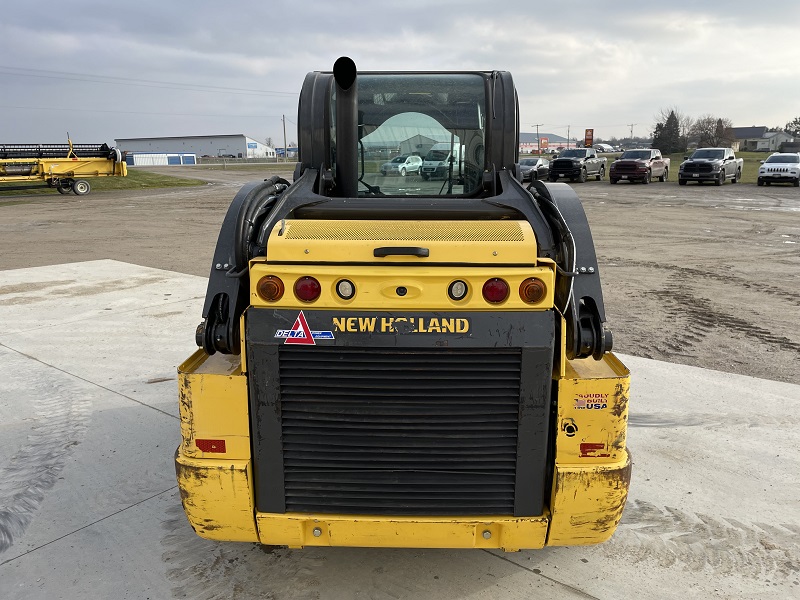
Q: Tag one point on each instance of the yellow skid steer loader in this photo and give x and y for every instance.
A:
(404, 358)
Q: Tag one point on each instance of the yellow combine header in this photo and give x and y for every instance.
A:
(64, 167)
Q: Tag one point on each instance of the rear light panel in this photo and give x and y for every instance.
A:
(370, 288)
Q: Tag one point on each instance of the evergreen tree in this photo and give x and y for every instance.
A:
(672, 135)
(667, 135)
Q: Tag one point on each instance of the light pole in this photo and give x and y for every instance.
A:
(538, 141)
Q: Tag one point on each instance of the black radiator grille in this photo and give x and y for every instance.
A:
(697, 168)
(563, 165)
(403, 432)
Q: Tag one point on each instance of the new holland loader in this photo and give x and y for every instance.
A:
(399, 360)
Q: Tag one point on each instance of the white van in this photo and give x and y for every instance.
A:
(437, 161)
(603, 148)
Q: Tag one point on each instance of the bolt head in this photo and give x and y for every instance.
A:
(317, 532)
(487, 535)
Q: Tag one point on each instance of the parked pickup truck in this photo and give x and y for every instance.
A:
(577, 164)
(639, 165)
(711, 164)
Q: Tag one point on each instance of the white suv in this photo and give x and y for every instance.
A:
(780, 168)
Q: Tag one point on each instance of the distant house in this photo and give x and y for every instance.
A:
(758, 139)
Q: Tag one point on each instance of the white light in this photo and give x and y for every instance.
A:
(458, 289)
(345, 289)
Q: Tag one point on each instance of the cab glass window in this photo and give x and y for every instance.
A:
(421, 134)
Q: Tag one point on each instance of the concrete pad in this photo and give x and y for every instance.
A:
(89, 506)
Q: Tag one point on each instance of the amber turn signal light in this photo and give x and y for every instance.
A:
(532, 290)
(270, 288)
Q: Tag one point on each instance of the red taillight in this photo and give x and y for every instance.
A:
(270, 288)
(211, 445)
(532, 290)
(307, 289)
(495, 290)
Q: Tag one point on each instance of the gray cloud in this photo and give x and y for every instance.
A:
(580, 64)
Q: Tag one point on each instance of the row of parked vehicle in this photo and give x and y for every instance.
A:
(714, 165)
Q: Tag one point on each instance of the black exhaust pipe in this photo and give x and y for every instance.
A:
(344, 74)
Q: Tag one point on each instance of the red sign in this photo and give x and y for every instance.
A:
(543, 143)
(588, 138)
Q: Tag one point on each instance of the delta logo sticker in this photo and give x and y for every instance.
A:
(301, 333)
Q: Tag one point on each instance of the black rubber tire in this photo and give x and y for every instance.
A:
(64, 190)
(403, 172)
(796, 183)
(736, 176)
(760, 182)
(424, 177)
(582, 176)
(553, 179)
(613, 180)
(721, 179)
(664, 176)
(681, 182)
(767, 183)
(646, 178)
(601, 174)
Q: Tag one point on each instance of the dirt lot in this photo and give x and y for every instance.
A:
(700, 275)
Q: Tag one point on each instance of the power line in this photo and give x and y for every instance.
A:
(113, 80)
(131, 112)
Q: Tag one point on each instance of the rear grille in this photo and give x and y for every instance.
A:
(402, 432)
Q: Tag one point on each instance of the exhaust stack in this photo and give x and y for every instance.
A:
(344, 74)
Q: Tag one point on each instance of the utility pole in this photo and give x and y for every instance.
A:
(567, 137)
(538, 141)
(285, 149)
(631, 126)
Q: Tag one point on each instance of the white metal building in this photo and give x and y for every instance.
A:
(231, 146)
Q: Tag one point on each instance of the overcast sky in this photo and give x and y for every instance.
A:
(106, 70)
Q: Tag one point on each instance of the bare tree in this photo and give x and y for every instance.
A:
(712, 131)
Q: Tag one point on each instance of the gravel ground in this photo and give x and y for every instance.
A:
(699, 275)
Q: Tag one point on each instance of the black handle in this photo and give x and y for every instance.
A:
(401, 251)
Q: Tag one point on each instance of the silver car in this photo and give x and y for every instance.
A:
(402, 165)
